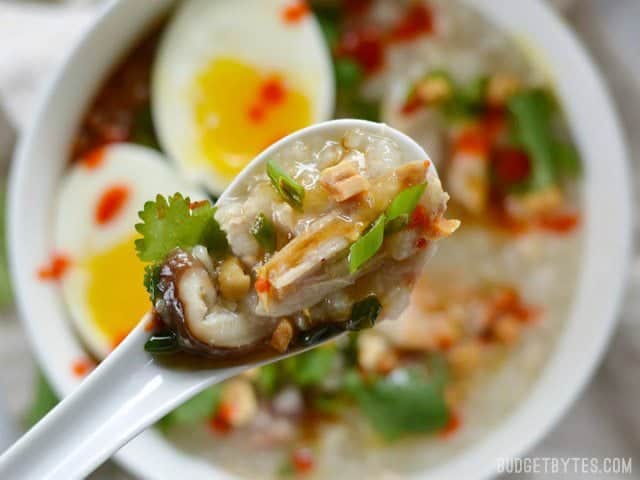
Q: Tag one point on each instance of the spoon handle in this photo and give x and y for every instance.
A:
(125, 394)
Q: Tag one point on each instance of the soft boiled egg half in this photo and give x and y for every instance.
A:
(232, 77)
(97, 209)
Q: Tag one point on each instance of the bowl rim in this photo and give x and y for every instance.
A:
(505, 437)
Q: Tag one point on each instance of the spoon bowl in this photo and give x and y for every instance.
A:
(130, 390)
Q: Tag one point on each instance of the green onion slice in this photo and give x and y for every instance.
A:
(162, 342)
(367, 245)
(290, 190)
(264, 232)
(364, 313)
(402, 206)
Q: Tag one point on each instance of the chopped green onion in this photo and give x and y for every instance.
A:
(290, 190)
(367, 245)
(348, 73)
(402, 206)
(265, 233)
(531, 114)
(364, 313)
(162, 342)
(567, 160)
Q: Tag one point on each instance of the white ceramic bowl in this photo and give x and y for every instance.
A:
(42, 156)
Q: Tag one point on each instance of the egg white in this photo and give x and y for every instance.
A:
(248, 30)
(146, 173)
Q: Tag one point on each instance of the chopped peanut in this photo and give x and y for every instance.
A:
(234, 283)
(375, 354)
(433, 90)
(444, 227)
(282, 335)
(343, 181)
(239, 398)
(464, 357)
(501, 86)
(507, 329)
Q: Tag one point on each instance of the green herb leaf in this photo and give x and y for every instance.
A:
(162, 342)
(196, 410)
(364, 313)
(367, 245)
(167, 224)
(267, 380)
(567, 160)
(151, 278)
(290, 190)
(349, 74)
(43, 401)
(310, 368)
(531, 115)
(402, 206)
(264, 232)
(407, 402)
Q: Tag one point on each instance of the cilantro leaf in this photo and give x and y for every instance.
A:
(151, 278)
(396, 406)
(310, 368)
(170, 223)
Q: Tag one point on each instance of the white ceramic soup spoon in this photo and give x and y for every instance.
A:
(131, 390)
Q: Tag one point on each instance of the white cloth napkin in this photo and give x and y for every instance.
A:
(603, 423)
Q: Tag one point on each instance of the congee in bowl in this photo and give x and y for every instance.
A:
(413, 391)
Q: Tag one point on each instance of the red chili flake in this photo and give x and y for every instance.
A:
(452, 426)
(56, 268)
(273, 91)
(427, 164)
(302, 460)
(421, 243)
(512, 165)
(560, 223)
(94, 158)
(111, 203)
(262, 285)
(419, 217)
(472, 140)
(82, 366)
(365, 46)
(295, 12)
(256, 113)
(221, 422)
(417, 21)
(412, 105)
(198, 204)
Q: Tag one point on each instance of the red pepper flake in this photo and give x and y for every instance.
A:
(421, 243)
(256, 113)
(512, 165)
(262, 285)
(94, 158)
(111, 203)
(221, 422)
(561, 223)
(273, 91)
(295, 12)
(198, 204)
(419, 217)
(82, 366)
(365, 46)
(302, 460)
(56, 268)
(412, 105)
(417, 21)
(452, 426)
(472, 140)
(427, 164)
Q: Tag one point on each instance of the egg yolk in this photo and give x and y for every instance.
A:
(240, 110)
(117, 300)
